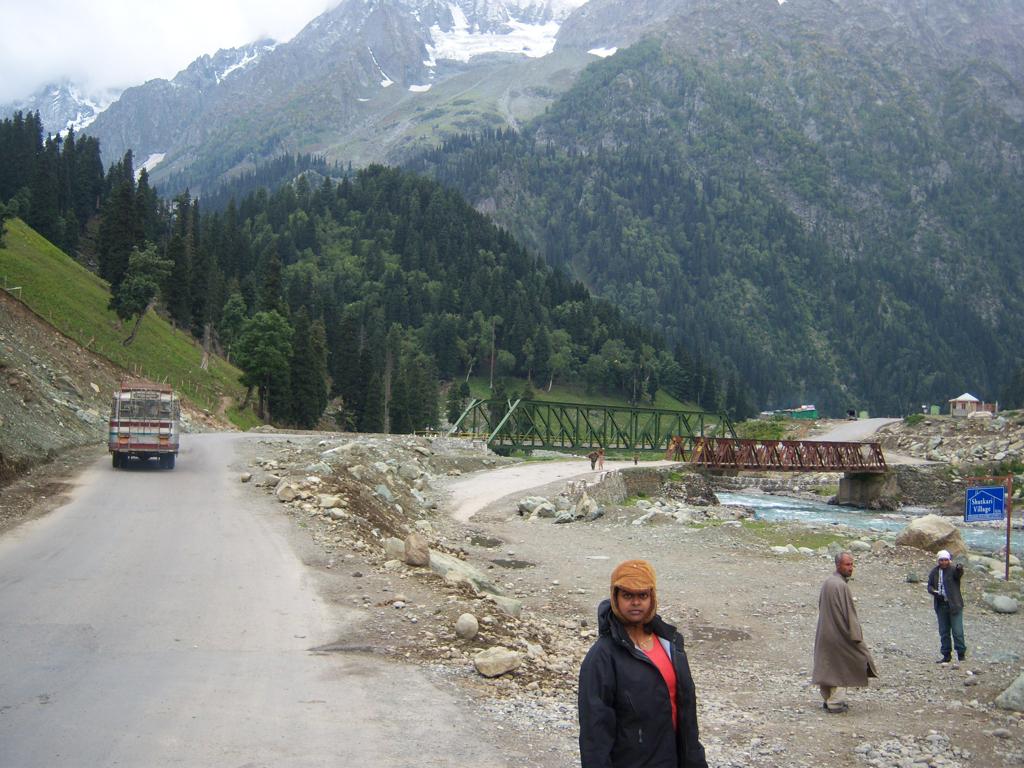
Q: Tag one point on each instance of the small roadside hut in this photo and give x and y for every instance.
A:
(967, 404)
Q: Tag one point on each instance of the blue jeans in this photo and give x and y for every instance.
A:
(950, 623)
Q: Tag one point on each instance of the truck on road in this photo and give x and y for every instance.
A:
(144, 424)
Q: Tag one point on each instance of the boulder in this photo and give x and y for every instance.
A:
(246, 477)
(286, 491)
(932, 533)
(394, 548)
(545, 510)
(467, 626)
(530, 504)
(452, 569)
(1000, 603)
(588, 508)
(507, 605)
(328, 501)
(496, 661)
(1013, 697)
(409, 472)
(417, 552)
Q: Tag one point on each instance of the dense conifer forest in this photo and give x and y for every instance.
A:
(834, 233)
(378, 288)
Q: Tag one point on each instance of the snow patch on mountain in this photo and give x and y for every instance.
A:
(420, 88)
(526, 27)
(603, 52)
(248, 58)
(151, 162)
(386, 82)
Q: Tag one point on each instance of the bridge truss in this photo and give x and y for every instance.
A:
(576, 426)
(785, 455)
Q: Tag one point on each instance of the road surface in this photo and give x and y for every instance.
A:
(854, 431)
(163, 618)
(474, 492)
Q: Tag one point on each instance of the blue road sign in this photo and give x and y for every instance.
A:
(985, 503)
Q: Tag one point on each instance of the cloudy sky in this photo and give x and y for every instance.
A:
(117, 43)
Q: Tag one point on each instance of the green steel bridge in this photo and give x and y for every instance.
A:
(580, 426)
(706, 440)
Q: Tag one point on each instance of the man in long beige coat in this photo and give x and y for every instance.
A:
(840, 656)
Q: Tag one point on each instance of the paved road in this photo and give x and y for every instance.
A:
(854, 431)
(164, 619)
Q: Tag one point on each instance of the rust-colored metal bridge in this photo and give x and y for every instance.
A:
(717, 453)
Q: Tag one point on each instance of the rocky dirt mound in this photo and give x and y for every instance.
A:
(961, 442)
(366, 495)
(54, 394)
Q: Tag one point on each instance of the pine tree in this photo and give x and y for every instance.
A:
(308, 371)
(454, 403)
(263, 351)
(232, 321)
(136, 292)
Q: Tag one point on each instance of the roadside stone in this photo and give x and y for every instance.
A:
(1000, 603)
(467, 626)
(417, 552)
(286, 491)
(1013, 697)
(454, 570)
(527, 506)
(507, 605)
(860, 546)
(328, 501)
(246, 477)
(394, 548)
(385, 493)
(496, 661)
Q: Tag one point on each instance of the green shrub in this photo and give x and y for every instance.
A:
(759, 429)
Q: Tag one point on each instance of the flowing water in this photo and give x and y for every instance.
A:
(979, 537)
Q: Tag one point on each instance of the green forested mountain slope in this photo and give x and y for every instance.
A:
(830, 201)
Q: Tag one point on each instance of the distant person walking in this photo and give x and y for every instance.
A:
(637, 700)
(840, 656)
(593, 456)
(944, 587)
(600, 459)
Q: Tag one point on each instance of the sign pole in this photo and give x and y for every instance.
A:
(1008, 481)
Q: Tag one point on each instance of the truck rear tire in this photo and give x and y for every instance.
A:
(115, 459)
(167, 461)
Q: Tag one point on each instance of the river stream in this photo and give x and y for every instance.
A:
(979, 537)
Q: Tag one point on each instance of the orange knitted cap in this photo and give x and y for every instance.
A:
(634, 576)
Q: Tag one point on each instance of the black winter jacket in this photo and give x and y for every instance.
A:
(952, 578)
(624, 708)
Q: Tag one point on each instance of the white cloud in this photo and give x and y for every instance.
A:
(117, 43)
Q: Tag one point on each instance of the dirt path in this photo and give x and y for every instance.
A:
(472, 493)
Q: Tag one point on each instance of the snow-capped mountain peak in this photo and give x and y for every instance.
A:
(63, 105)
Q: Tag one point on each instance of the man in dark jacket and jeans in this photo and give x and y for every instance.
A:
(944, 587)
(637, 702)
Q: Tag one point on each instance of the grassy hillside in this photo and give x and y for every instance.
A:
(75, 300)
(567, 393)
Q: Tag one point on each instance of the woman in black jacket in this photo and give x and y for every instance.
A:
(637, 703)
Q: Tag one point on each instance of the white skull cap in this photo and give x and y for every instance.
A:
(943, 555)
